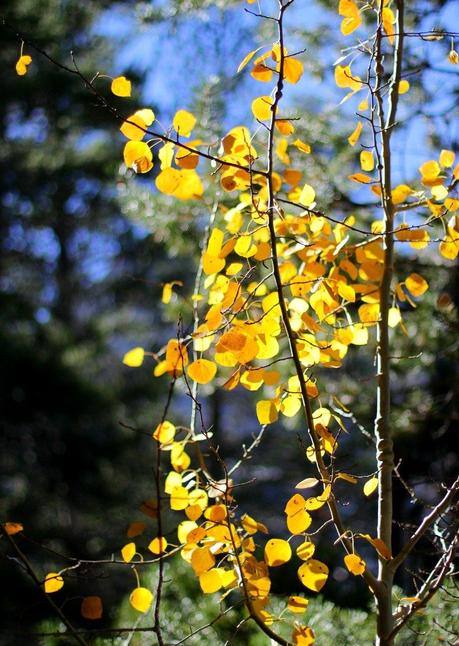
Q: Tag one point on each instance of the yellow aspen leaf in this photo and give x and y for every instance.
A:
(164, 432)
(416, 285)
(168, 180)
(166, 155)
(360, 178)
(92, 608)
(158, 545)
(290, 406)
(53, 582)
(185, 528)
(352, 19)
(429, 170)
(370, 486)
(252, 526)
(297, 604)
(448, 249)
(210, 581)
(355, 135)
(137, 155)
(293, 70)
(367, 161)
(135, 126)
(184, 122)
(134, 358)
(180, 459)
(294, 504)
(173, 479)
(281, 151)
(202, 560)
(379, 546)
(22, 63)
(202, 371)
(193, 512)
(301, 145)
(307, 195)
(403, 86)
(313, 574)
(298, 522)
(303, 636)
(247, 59)
(307, 483)
(135, 529)
(394, 316)
(261, 72)
(439, 192)
(453, 57)
(354, 564)
(266, 412)
(388, 20)
(316, 502)
(348, 25)
(447, 158)
(305, 551)
(277, 552)
(212, 264)
(344, 78)
(179, 498)
(261, 108)
(141, 599)
(121, 86)
(285, 127)
(167, 290)
(128, 552)
(216, 513)
(214, 246)
(176, 357)
(13, 528)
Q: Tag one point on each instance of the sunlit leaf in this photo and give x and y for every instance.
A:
(354, 564)
(22, 63)
(158, 545)
(184, 122)
(134, 358)
(141, 599)
(297, 604)
(370, 486)
(261, 108)
(121, 86)
(202, 371)
(277, 552)
(128, 552)
(53, 582)
(305, 551)
(313, 574)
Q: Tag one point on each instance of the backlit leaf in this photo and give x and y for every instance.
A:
(313, 574)
(370, 486)
(121, 86)
(261, 108)
(184, 122)
(53, 582)
(277, 552)
(297, 604)
(22, 63)
(202, 371)
(354, 564)
(128, 552)
(134, 358)
(141, 599)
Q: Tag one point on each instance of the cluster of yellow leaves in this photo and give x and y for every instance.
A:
(264, 66)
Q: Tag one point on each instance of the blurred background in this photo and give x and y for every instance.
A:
(86, 248)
